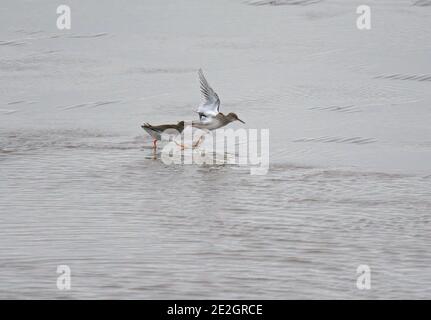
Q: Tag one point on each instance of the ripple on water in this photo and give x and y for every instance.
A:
(422, 3)
(325, 139)
(282, 2)
(21, 141)
(397, 76)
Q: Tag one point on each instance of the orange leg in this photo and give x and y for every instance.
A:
(154, 144)
(182, 146)
(198, 142)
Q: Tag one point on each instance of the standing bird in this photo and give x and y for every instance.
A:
(162, 131)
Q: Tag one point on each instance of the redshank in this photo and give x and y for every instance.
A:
(157, 132)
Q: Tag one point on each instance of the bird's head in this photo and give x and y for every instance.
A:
(233, 117)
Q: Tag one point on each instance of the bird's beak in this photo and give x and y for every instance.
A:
(240, 120)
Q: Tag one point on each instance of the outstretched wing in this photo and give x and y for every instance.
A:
(211, 105)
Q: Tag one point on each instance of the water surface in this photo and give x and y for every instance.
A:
(350, 150)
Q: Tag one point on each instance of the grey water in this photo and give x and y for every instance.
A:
(349, 181)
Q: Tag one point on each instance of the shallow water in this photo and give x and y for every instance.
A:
(350, 150)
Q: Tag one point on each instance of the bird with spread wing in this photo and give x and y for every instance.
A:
(210, 117)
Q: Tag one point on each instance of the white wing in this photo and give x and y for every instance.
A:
(211, 105)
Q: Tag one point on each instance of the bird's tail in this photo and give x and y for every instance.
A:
(146, 125)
